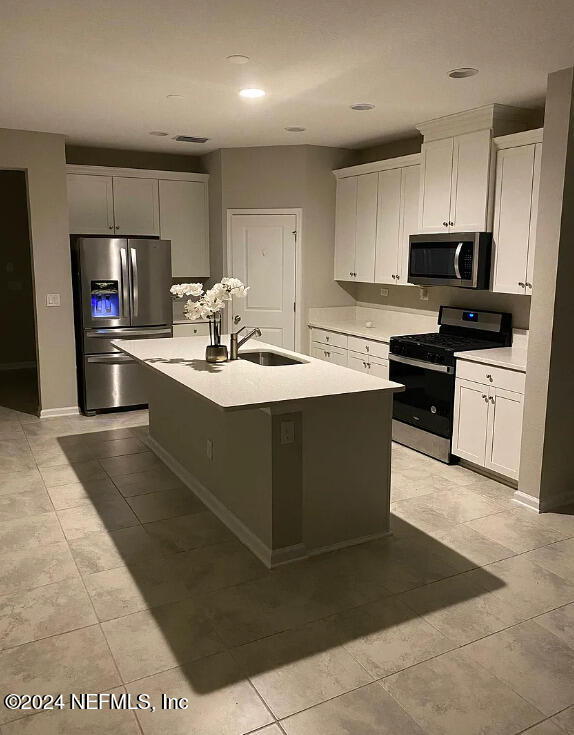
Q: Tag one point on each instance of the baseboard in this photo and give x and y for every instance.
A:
(17, 365)
(269, 557)
(533, 503)
(526, 501)
(47, 413)
(350, 542)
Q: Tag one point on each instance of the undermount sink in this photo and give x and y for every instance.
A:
(264, 357)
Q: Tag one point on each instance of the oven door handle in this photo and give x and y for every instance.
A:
(422, 364)
(457, 260)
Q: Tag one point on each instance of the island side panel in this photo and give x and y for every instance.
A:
(239, 475)
(346, 469)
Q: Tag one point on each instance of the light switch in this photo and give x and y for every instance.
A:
(287, 432)
(384, 292)
(52, 299)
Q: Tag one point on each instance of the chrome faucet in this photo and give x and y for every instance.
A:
(236, 342)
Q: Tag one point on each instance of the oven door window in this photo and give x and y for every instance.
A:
(428, 399)
(439, 260)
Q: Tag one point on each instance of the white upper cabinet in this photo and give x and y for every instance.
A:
(515, 216)
(455, 183)
(436, 181)
(183, 220)
(345, 224)
(376, 212)
(470, 182)
(136, 206)
(388, 226)
(397, 217)
(91, 204)
(366, 228)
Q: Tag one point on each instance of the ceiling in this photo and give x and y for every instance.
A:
(100, 71)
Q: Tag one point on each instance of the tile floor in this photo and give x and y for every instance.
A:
(114, 578)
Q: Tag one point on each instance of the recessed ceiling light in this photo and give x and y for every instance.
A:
(463, 72)
(252, 93)
(237, 59)
(363, 106)
(295, 129)
(174, 96)
(159, 133)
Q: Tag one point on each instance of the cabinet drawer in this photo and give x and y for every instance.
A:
(330, 354)
(329, 338)
(368, 347)
(367, 364)
(487, 375)
(191, 330)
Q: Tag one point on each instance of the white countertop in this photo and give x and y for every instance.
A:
(240, 384)
(513, 358)
(357, 328)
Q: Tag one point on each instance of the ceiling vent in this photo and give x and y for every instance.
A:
(190, 139)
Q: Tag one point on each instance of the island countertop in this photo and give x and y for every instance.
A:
(240, 384)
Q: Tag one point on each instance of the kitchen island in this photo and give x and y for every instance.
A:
(294, 458)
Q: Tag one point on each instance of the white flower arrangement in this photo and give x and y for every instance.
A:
(209, 303)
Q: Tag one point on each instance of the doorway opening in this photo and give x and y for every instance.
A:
(18, 358)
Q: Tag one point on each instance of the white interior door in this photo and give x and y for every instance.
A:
(263, 257)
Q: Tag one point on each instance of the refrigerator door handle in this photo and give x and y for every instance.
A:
(112, 359)
(127, 332)
(124, 271)
(135, 293)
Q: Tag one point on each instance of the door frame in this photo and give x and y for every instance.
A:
(227, 257)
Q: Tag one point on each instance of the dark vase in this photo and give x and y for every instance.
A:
(215, 351)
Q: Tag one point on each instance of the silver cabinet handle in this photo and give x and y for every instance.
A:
(489, 376)
(521, 283)
(485, 397)
(114, 359)
(366, 348)
(445, 224)
(528, 285)
(492, 399)
(398, 277)
(451, 224)
(236, 319)
(124, 281)
(135, 290)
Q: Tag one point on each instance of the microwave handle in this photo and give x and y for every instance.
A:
(457, 260)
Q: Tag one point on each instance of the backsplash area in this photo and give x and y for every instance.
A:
(407, 297)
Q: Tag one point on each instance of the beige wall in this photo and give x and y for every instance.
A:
(547, 461)
(282, 177)
(18, 344)
(391, 149)
(132, 159)
(42, 156)
(407, 297)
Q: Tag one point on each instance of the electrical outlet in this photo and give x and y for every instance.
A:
(287, 432)
(384, 292)
(423, 293)
(52, 299)
(209, 450)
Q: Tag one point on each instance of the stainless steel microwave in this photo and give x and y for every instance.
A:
(450, 259)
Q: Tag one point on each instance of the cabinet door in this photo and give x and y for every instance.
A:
(379, 368)
(136, 206)
(504, 432)
(358, 362)
(533, 218)
(512, 214)
(194, 329)
(366, 228)
(436, 179)
(330, 354)
(470, 421)
(388, 226)
(410, 185)
(183, 219)
(345, 223)
(90, 204)
(470, 179)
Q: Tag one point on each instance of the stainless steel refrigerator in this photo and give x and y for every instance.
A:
(121, 291)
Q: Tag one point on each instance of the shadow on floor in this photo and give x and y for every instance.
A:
(220, 610)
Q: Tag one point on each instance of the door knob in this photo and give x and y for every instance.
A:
(236, 319)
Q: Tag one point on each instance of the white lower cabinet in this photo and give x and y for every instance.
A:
(364, 363)
(336, 355)
(487, 426)
(193, 329)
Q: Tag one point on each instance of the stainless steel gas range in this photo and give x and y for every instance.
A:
(425, 365)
